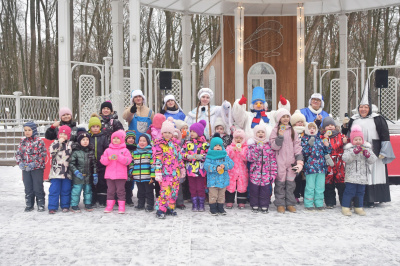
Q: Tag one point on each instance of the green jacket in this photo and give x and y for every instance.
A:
(83, 160)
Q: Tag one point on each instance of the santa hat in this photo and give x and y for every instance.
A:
(296, 117)
(64, 129)
(135, 93)
(317, 96)
(205, 91)
(63, 111)
(258, 95)
(168, 126)
(158, 120)
(284, 103)
(170, 97)
(179, 124)
(199, 127)
(239, 133)
(356, 131)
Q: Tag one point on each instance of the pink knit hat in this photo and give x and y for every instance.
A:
(199, 127)
(119, 134)
(262, 128)
(64, 129)
(356, 131)
(239, 133)
(63, 111)
(168, 126)
(158, 120)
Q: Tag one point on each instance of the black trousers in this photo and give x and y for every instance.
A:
(330, 193)
(300, 185)
(145, 194)
(128, 192)
(230, 197)
(33, 182)
(99, 191)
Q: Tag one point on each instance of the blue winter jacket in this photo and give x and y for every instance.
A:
(179, 116)
(314, 156)
(310, 116)
(214, 179)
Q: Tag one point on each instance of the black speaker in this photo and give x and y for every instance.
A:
(165, 80)
(382, 78)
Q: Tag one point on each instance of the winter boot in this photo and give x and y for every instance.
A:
(40, 204)
(29, 200)
(229, 205)
(110, 206)
(213, 209)
(254, 209)
(88, 207)
(149, 208)
(181, 206)
(220, 207)
(171, 212)
(201, 204)
(241, 206)
(160, 214)
(360, 211)
(139, 207)
(346, 211)
(75, 209)
(195, 204)
(281, 209)
(264, 210)
(291, 208)
(28, 209)
(121, 207)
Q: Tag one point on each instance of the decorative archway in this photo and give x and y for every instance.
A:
(262, 74)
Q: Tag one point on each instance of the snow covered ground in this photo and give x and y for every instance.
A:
(240, 238)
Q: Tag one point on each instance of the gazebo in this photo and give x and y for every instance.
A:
(236, 8)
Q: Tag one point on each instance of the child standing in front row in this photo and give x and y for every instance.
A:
(130, 141)
(263, 169)
(358, 156)
(116, 159)
(316, 155)
(31, 157)
(60, 177)
(286, 143)
(217, 164)
(169, 169)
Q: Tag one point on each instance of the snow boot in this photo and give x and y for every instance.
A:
(254, 209)
(139, 207)
(346, 211)
(160, 214)
(220, 207)
(28, 209)
(241, 206)
(121, 207)
(171, 212)
(110, 206)
(264, 210)
(201, 204)
(89, 207)
(40, 205)
(181, 206)
(360, 211)
(52, 211)
(75, 209)
(281, 209)
(229, 205)
(149, 208)
(291, 208)
(195, 204)
(213, 209)
(29, 200)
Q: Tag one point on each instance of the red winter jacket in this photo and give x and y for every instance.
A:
(30, 150)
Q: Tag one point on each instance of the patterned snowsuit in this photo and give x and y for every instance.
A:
(168, 161)
(238, 176)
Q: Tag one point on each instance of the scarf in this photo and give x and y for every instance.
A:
(216, 154)
(259, 115)
(299, 129)
(146, 149)
(315, 112)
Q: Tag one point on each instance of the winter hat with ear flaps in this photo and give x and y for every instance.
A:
(317, 96)
(135, 93)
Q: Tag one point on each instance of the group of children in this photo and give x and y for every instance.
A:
(105, 162)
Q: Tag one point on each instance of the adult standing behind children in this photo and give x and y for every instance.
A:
(138, 115)
(65, 116)
(109, 119)
(314, 112)
(172, 109)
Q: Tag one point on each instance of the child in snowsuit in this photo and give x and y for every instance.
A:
(83, 169)
(239, 178)
(316, 155)
(156, 126)
(99, 141)
(142, 172)
(60, 177)
(263, 169)
(31, 157)
(217, 164)
(109, 119)
(298, 120)
(130, 141)
(116, 159)
(358, 156)
(169, 168)
(334, 177)
(219, 127)
(285, 141)
(194, 154)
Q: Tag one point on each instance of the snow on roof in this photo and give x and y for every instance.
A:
(268, 7)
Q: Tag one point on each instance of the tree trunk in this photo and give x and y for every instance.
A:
(32, 71)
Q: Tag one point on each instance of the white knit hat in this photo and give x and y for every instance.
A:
(180, 124)
(171, 97)
(296, 117)
(135, 93)
(205, 91)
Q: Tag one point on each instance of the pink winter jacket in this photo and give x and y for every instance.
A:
(238, 175)
(288, 151)
(116, 169)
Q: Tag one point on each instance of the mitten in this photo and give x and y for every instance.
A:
(22, 166)
(311, 141)
(95, 179)
(133, 108)
(357, 150)
(243, 100)
(162, 111)
(31, 165)
(78, 174)
(28, 167)
(199, 156)
(250, 142)
(346, 120)
(366, 154)
(190, 157)
(318, 123)
(329, 160)
(158, 177)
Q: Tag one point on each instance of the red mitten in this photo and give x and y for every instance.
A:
(243, 100)
(357, 150)
(366, 154)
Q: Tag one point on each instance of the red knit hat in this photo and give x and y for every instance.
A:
(158, 120)
(356, 131)
(64, 129)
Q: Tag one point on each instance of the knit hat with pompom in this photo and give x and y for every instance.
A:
(356, 131)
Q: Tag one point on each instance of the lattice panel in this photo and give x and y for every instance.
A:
(44, 109)
(87, 93)
(389, 99)
(335, 97)
(7, 102)
(127, 91)
(176, 91)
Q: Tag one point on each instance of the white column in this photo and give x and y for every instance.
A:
(194, 88)
(186, 59)
(222, 57)
(134, 44)
(18, 105)
(107, 65)
(362, 61)
(150, 82)
(314, 64)
(239, 40)
(64, 55)
(343, 64)
(118, 52)
(300, 58)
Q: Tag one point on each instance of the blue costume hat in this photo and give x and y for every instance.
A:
(258, 95)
